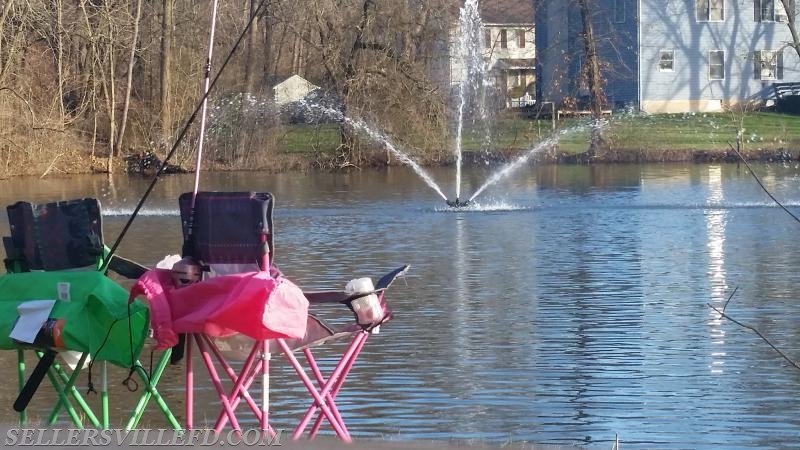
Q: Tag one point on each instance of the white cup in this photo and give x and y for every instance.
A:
(368, 308)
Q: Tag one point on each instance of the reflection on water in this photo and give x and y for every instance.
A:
(716, 266)
(569, 306)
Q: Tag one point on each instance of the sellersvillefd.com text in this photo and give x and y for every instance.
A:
(35, 437)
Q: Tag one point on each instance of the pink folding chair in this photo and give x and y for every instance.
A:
(323, 393)
(231, 234)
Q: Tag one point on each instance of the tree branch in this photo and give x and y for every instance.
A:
(758, 333)
(762, 184)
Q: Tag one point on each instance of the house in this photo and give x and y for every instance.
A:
(292, 89)
(668, 55)
(508, 47)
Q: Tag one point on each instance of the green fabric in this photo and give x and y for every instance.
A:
(96, 312)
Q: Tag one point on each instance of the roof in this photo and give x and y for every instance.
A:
(507, 12)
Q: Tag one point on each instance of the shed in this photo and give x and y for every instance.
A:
(292, 89)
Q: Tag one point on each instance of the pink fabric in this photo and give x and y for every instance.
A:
(252, 303)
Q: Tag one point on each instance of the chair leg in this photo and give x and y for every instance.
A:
(104, 397)
(150, 383)
(189, 383)
(320, 397)
(23, 415)
(226, 404)
(338, 384)
(57, 372)
(265, 358)
(242, 383)
(63, 401)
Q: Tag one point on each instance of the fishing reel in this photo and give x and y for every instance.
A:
(185, 272)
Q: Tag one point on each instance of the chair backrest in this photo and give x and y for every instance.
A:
(54, 236)
(228, 227)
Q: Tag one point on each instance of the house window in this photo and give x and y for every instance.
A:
(487, 38)
(771, 11)
(619, 11)
(710, 10)
(666, 61)
(768, 65)
(521, 35)
(716, 64)
(503, 39)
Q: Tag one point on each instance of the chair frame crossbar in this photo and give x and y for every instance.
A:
(325, 392)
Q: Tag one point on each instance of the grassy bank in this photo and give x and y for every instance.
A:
(628, 137)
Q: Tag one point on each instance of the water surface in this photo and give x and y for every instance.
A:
(568, 306)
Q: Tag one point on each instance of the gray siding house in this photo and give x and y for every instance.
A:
(668, 55)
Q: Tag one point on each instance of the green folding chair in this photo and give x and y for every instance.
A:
(53, 258)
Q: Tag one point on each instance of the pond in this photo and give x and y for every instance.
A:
(570, 305)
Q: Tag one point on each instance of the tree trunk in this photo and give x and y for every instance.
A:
(252, 37)
(59, 35)
(790, 6)
(129, 82)
(167, 23)
(594, 77)
(111, 101)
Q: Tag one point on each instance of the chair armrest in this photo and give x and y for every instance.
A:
(327, 296)
(389, 278)
(127, 268)
(345, 297)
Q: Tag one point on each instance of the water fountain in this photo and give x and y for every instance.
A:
(473, 94)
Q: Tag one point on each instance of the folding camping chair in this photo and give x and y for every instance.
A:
(231, 231)
(55, 251)
(318, 333)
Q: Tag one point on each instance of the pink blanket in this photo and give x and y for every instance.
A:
(253, 303)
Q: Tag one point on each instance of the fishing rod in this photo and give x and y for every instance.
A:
(205, 103)
(181, 136)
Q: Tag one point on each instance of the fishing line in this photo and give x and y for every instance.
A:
(180, 138)
(758, 180)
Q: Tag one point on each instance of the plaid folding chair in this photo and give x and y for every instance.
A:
(226, 232)
(55, 251)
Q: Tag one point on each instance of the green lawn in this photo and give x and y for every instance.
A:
(635, 132)
(309, 138)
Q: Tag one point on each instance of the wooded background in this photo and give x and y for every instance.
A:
(82, 80)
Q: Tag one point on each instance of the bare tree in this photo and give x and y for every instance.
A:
(790, 6)
(167, 23)
(592, 74)
(129, 81)
(252, 42)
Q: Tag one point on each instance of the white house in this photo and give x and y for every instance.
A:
(508, 48)
(292, 89)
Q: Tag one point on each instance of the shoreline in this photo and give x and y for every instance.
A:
(78, 164)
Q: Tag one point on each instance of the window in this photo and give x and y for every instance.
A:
(521, 35)
(487, 38)
(716, 64)
(503, 39)
(666, 61)
(768, 65)
(517, 78)
(619, 11)
(710, 10)
(771, 11)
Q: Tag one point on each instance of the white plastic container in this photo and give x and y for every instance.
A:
(368, 308)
